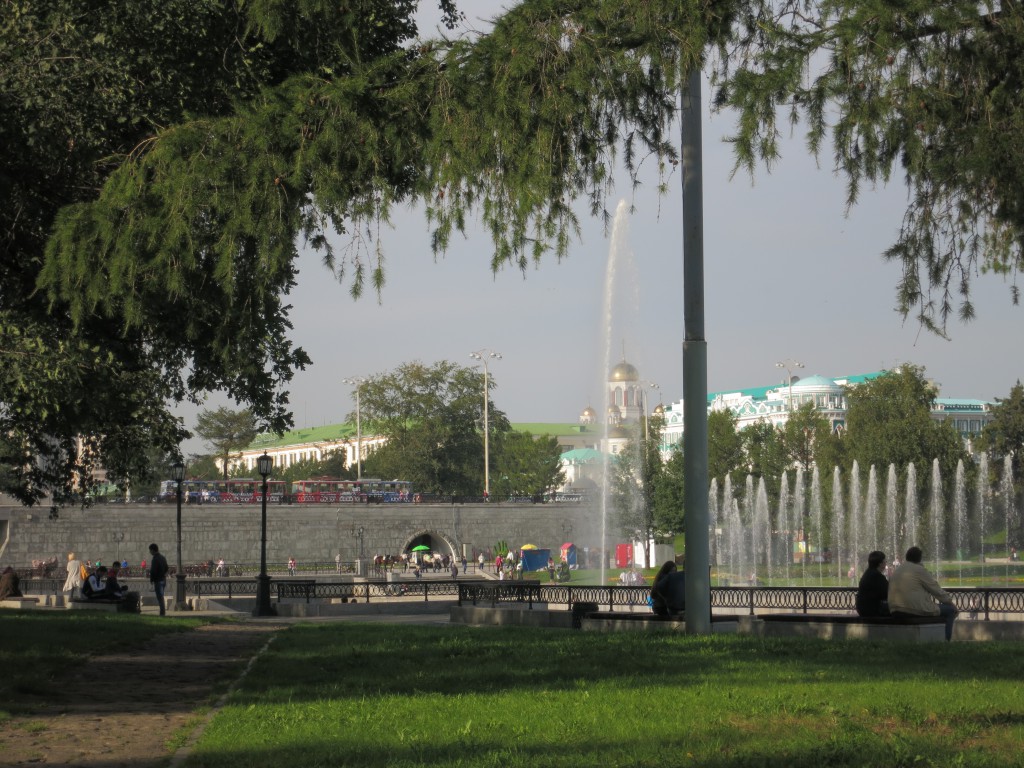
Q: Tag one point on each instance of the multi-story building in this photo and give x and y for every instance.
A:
(585, 444)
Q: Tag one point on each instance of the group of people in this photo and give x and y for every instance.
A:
(910, 591)
(101, 583)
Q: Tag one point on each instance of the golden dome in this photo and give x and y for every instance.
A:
(624, 372)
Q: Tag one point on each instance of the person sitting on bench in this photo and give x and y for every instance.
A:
(96, 586)
(873, 591)
(912, 589)
(112, 589)
(10, 584)
(667, 591)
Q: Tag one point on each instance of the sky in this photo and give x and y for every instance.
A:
(790, 275)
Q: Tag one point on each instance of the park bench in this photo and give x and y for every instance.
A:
(911, 629)
(645, 620)
(296, 588)
(130, 603)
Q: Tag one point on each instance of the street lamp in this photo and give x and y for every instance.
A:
(790, 366)
(646, 413)
(357, 382)
(178, 475)
(483, 355)
(264, 465)
(358, 532)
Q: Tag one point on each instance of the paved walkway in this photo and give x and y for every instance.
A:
(124, 708)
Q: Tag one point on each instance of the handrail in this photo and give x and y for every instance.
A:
(988, 603)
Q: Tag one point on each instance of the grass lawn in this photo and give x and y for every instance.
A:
(347, 694)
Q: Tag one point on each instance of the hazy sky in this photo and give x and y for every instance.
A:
(787, 276)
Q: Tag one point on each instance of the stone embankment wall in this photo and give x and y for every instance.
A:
(307, 533)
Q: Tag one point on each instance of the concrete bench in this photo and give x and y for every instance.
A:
(19, 602)
(128, 604)
(907, 629)
(94, 605)
(620, 621)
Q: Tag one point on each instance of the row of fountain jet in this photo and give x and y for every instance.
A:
(809, 539)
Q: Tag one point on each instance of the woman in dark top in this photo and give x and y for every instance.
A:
(873, 591)
(659, 603)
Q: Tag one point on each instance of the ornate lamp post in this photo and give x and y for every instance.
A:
(482, 355)
(358, 533)
(357, 382)
(178, 475)
(264, 465)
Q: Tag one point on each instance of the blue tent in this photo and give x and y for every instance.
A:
(535, 559)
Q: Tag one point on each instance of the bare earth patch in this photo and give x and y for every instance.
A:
(122, 708)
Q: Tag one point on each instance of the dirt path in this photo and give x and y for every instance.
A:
(120, 709)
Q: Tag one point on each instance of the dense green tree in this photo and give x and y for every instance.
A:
(143, 305)
(205, 467)
(432, 418)
(764, 450)
(801, 433)
(332, 466)
(829, 449)
(226, 432)
(175, 249)
(923, 89)
(669, 496)
(1004, 435)
(889, 421)
(725, 446)
(525, 465)
(635, 475)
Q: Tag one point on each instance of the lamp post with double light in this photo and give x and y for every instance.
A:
(483, 355)
(357, 382)
(178, 476)
(264, 465)
(790, 366)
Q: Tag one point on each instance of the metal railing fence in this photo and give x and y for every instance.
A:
(986, 603)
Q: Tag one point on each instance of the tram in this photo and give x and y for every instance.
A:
(233, 491)
(329, 491)
(317, 491)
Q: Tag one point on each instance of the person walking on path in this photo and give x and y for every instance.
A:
(912, 589)
(73, 583)
(158, 575)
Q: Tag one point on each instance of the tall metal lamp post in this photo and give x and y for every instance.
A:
(646, 412)
(264, 465)
(357, 382)
(790, 366)
(483, 355)
(178, 475)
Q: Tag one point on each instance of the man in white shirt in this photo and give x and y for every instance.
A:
(913, 592)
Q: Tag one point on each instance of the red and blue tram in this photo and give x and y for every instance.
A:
(233, 491)
(317, 491)
(328, 491)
